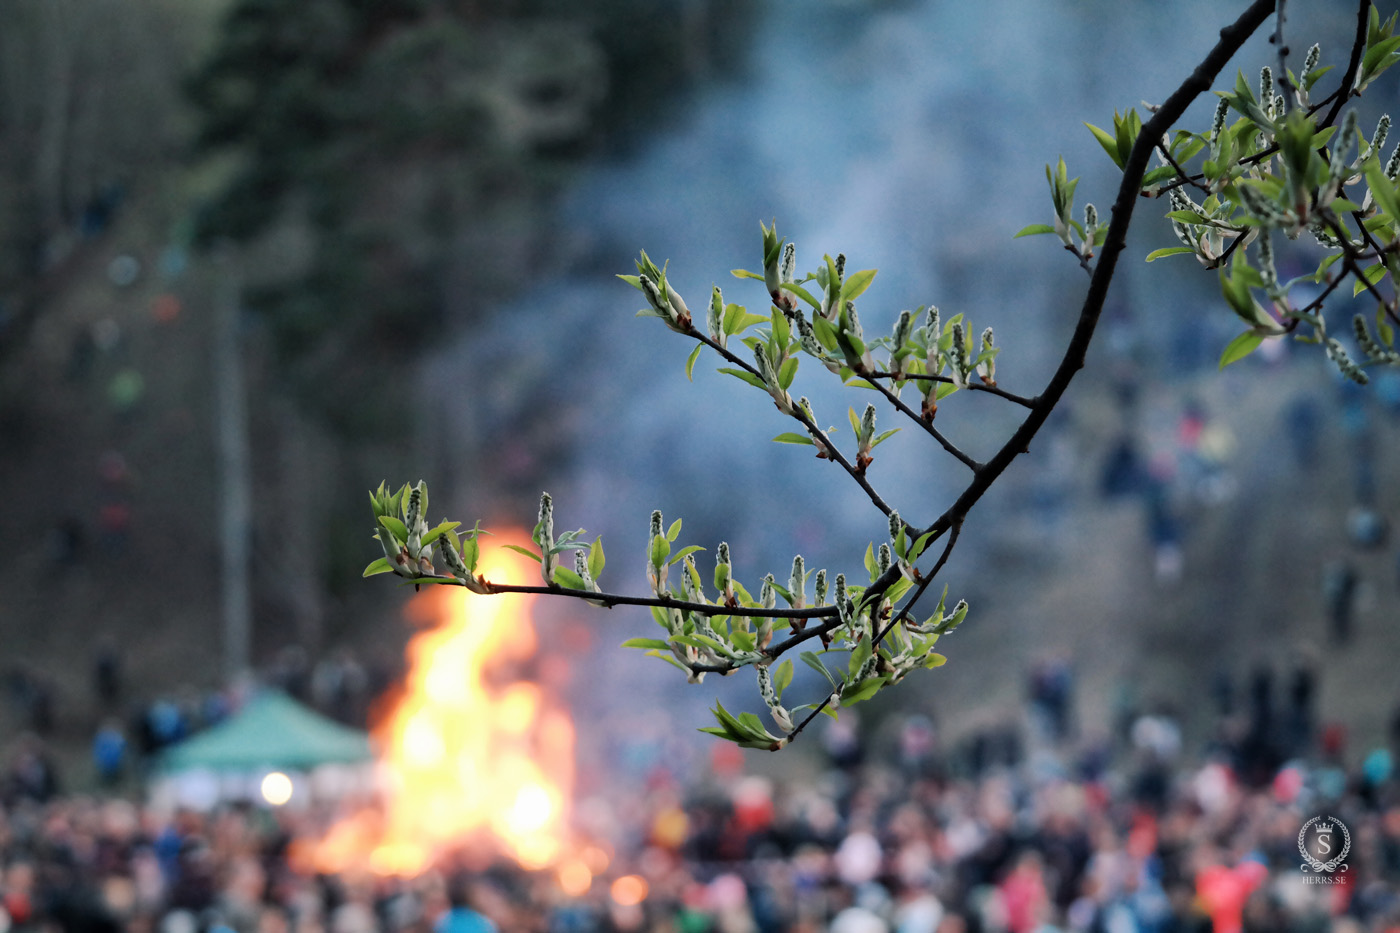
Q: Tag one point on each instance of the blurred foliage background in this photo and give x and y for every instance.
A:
(414, 209)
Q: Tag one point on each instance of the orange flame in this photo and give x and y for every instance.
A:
(469, 751)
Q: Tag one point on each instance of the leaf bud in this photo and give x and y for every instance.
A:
(1310, 60)
(797, 582)
(715, 321)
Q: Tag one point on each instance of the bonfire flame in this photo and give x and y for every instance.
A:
(470, 752)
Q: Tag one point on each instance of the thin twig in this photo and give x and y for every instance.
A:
(1337, 98)
(664, 602)
(1358, 45)
(899, 617)
(1316, 303)
(1232, 38)
(817, 434)
(933, 432)
(919, 590)
(1350, 256)
(974, 386)
(1181, 172)
(1277, 39)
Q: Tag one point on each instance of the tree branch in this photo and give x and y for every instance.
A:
(664, 602)
(937, 435)
(900, 616)
(923, 585)
(1358, 45)
(1280, 15)
(974, 386)
(1337, 98)
(817, 434)
(1232, 38)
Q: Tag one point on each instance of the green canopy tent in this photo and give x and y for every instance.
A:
(272, 731)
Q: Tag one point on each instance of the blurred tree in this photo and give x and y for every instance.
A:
(370, 147)
(89, 111)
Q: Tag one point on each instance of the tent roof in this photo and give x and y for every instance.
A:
(271, 731)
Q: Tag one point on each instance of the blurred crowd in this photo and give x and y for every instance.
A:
(1022, 828)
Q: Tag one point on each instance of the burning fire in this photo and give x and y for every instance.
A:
(471, 753)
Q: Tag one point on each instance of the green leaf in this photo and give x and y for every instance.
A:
(1168, 251)
(753, 724)
(690, 361)
(520, 550)
(1110, 145)
(596, 559)
(660, 550)
(1369, 276)
(377, 567)
(859, 655)
(733, 314)
(782, 677)
(1383, 328)
(1237, 349)
(791, 437)
(727, 719)
(680, 555)
(782, 333)
(745, 274)
(882, 437)
(856, 284)
(634, 280)
(917, 548)
(863, 691)
(674, 530)
(944, 390)
(812, 661)
(396, 527)
(1160, 174)
(653, 643)
(1190, 217)
(438, 532)
(430, 581)
(802, 293)
(746, 376)
(1371, 61)
(568, 579)
(671, 660)
(786, 372)
(1383, 189)
(1321, 137)
(1034, 229)
(1312, 77)
(933, 660)
(825, 333)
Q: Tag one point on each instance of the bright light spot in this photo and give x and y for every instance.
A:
(574, 878)
(532, 809)
(423, 743)
(277, 788)
(629, 890)
(596, 859)
(466, 753)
